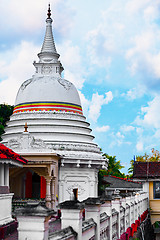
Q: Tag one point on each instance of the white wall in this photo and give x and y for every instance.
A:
(85, 180)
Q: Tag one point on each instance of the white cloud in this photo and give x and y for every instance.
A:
(126, 128)
(28, 16)
(96, 104)
(142, 58)
(119, 135)
(148, 126)
(73, 64)
(150, 114)
(133, 42)
(102, 129)
(117, 139)
(92, 108)
(85, 103)
(19, 19)
(139, 146)
(139, 130)
(134, 6)
(15, 70)
(135, 93)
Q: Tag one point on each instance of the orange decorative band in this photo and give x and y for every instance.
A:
(48, 106)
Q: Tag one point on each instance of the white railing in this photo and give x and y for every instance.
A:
(104, 219)
(113, 216)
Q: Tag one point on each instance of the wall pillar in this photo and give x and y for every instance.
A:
(92, 210)
(116, 205)
(107, 208)
(123, 204)
(1, 174)
(72, 216)
(53, 193)
(48, 192)
(128, 201)
(133, 208)
(33, 222)
(6, 175)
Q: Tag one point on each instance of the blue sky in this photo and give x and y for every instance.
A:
(110, 50)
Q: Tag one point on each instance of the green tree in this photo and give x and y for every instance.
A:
(5, 113)
(130, 169)
(114, 168)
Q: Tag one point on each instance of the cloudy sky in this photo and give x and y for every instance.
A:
(110, 50)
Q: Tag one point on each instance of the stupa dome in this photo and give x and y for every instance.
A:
(47, 93)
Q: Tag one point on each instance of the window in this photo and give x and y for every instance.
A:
(156, 189)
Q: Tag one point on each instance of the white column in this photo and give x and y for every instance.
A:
(48, 192)
(53, 193)
(6, 175)
(1, 174)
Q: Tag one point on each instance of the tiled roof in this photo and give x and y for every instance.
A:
(146, 169)
(121, 183)
(8, 154)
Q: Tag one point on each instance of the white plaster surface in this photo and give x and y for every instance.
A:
(84, 179)
(32, 228)
(5, 208)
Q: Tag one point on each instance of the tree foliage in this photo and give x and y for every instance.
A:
(153, 157)
(130, 169)
(114, 168)
(5, 113)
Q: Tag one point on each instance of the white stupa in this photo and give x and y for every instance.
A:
(52, 109)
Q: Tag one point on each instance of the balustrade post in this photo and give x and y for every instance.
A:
(116, 205)
(71, 215)
(33, 221)
(123, 204)
(92, 210)
(107, 208)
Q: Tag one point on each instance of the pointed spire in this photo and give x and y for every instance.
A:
(48, 44)
(48, 57)
(49, 11)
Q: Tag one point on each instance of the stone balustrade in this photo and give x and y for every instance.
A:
(110, 218)
(106, 218)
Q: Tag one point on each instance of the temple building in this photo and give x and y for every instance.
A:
(48, 129)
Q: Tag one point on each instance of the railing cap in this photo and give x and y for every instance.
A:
(73, 204)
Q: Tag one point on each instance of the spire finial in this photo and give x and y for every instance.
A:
(49, 11)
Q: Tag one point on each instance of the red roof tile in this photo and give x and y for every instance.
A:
(146, 169)
(117, 182)
(7, 153)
